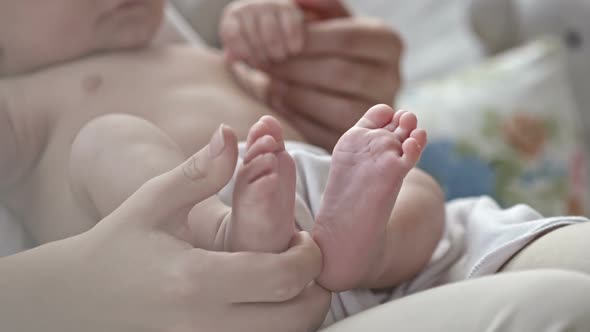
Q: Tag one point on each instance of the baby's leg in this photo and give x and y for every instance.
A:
(412, 233)
(366, 244)
(114, 155)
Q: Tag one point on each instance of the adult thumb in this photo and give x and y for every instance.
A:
(325, 9)
(198, 178)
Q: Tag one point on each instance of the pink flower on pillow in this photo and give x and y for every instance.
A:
(526, 134)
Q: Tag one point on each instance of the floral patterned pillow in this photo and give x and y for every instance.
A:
(508, 129)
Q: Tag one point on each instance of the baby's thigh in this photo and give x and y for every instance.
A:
(565, 248)
(112, 156)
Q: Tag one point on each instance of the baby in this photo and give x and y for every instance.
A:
(77, 138)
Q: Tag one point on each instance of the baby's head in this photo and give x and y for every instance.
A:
(38, 33)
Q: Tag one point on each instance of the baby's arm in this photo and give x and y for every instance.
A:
(261, 32)
(21, 141)
(8, 150)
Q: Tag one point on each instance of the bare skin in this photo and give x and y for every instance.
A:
(368, 168)
(264, 196)
(159, 280)
(263, 205)
(357, 254)
(358, 223)
(178, 96)
(180, 92)
(90, 134)
(96, 87)
(305, 48)
(47, 109)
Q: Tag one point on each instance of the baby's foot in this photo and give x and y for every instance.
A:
(260, 32)
(369, 164)
(262, 217)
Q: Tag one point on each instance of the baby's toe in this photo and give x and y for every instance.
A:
(407, 123)
(411, 152)
(376, 117)
(420, 136)
(265, 144)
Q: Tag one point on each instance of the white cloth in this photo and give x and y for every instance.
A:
(479, 236)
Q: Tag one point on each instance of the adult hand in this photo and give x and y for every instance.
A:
(347, 65)
(131, 273)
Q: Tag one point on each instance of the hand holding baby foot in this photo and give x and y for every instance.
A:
(260, 32)
(137, 272)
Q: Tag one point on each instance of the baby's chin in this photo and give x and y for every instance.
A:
(130, 37)
(134, 41)
(129, 31)
(122, 43)
(123, 35)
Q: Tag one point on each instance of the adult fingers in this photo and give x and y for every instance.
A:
(338, 112)
(362, 38)
(274, 41)
(252, 32)
(306, 312)
(367, 81)
(291, 23)
(314, 132)
(195, 180)
(257, 277)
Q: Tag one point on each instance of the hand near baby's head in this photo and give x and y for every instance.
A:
(325, 67)
(261, 32)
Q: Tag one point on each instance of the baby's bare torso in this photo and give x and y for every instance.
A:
(185, 91)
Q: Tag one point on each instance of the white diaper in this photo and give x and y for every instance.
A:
(479, 236)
